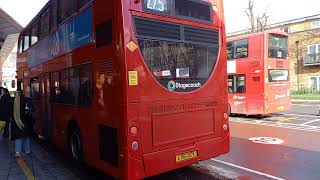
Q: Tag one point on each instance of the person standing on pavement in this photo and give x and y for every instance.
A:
(22, 126)
(6, 109)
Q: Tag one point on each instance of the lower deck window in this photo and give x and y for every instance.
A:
(236, 84)
(73, 86)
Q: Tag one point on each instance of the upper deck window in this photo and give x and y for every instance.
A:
(278, 47)
(66, 9)
(237, 49)
(193, 9)
(181, 58)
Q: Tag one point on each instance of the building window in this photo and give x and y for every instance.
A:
(315, 25)
(237, 49)
(314, 49)
(314, 83)
(236, 84)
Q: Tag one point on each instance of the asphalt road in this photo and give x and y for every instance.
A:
(286, 146)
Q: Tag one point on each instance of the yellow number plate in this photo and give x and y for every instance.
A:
(186, 156)
(280, 108)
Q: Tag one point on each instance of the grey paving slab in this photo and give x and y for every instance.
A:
(3, 177)
(17, 177)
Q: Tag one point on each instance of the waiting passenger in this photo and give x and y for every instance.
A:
(22, 126)
(6, 105)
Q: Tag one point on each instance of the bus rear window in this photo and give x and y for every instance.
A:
(193, 9)
(276, 75)
(278, 47)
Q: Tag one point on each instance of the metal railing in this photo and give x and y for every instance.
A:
(311, 59)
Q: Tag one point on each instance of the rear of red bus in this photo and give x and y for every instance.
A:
(176, 100)
(277, 67)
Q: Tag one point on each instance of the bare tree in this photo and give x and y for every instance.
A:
(257, 23)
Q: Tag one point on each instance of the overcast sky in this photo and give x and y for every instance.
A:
(280, 10)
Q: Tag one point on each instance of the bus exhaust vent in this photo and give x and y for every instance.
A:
(108, 145)
(198, 35)
(105, 66)
(157, 29)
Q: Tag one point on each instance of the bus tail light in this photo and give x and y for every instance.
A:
(134, 131)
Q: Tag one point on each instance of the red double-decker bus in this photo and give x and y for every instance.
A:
(258, 73)
(132, 87)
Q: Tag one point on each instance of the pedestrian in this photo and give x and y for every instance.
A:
(22, 126)
(2, 121)
(6, 109)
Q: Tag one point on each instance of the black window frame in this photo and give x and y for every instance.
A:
(234, 45)
(235, 83)
(172, 11)
(270, 78)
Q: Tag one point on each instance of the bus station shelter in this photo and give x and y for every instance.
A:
(9, 33)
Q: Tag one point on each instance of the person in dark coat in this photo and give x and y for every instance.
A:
(22, 124)
(6, 109)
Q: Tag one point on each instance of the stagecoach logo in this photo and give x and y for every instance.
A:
(172, 85)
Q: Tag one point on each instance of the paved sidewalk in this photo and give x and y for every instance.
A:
(307, 102)
(39, 165)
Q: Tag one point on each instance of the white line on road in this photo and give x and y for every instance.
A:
(309, 122)
(304, 105)
(282, 125)
(247, 169)
(301, 115)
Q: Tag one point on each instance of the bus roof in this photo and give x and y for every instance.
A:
(274, 31)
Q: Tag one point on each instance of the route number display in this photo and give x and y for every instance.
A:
(157, 5)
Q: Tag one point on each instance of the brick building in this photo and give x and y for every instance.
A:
(304, 45)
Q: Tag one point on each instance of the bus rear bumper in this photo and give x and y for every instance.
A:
(163, 161)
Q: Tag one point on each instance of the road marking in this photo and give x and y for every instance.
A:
(25, 168)
(247, 169)
(309, 122)
(287, 119)
(301, 115)
(304, 105)
(266, 140)
(282, 125)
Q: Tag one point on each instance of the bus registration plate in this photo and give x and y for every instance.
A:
(186, 156)
(280, 108)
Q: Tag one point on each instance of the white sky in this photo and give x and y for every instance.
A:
(24, 10)
(280, 10)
